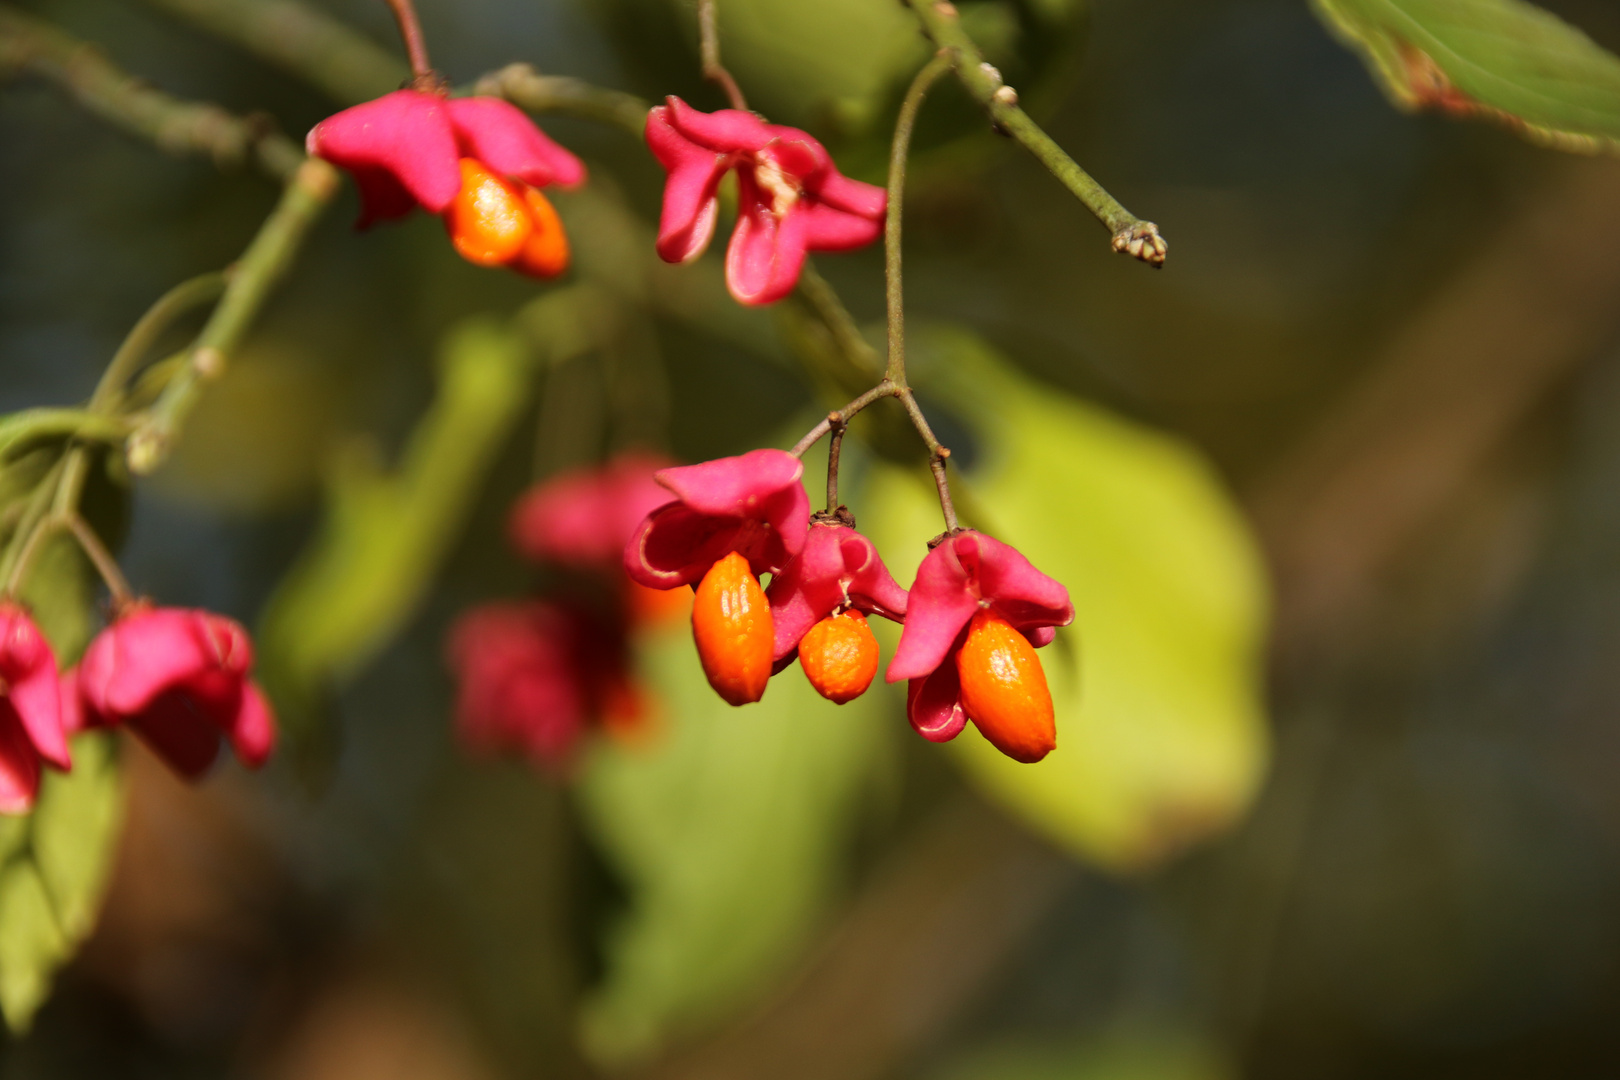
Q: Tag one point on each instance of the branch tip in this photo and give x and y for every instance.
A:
(1142, 241)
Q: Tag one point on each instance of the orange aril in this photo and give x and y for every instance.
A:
(839, 656)
(731, 623)
(489, 220)
(545, 254)
(1004, 689)
(654, 607)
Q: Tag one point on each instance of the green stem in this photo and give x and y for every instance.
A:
(833, 313)
(983, 82)
(262, 266)
(895, 371)
(900, 149)
(23, 537)
(840, 417)
(835, 446)
(528, 89)
(125, 101)
(31, 425)
(202, 289)
(100, 557)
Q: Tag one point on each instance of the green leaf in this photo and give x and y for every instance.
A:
(386, 533)
(1137, 1052)
(1161, 733)
(728, 832)
(60, 593)
(74, 825)
(54, 862)
(1501, 59)
(53, 874)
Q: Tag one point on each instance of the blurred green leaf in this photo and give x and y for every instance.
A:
(55, 867)
(60, 592)
(728, 831)
(54, 862)
(1502, 59)
(386, 533)
(1161, 733)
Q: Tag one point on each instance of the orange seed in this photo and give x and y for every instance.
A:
(489, 221)
(839, 656)
(545, 254)
(1004, 689)
(731, 623)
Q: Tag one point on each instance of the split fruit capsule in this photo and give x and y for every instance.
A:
(1004, 689)
(839, 656)
(494, 221)
(731, 623)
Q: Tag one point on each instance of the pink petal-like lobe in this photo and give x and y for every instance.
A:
(690, 206)
(32, 684)
(530, 678)
(934, 704)
(19, 764)
(180, 678)
(837, 568)
(965, 572)
(791, 197)
(724, 131)
(767, 252)
(503, 137)
(402, 142)
(584, 517)
(752, 503)
(253, 732)
(177, 732)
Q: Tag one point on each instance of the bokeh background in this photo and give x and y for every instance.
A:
(1381, 840)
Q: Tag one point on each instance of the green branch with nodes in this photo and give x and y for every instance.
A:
(943, 25)
(34, 47)
(564, 95)
(261, 268)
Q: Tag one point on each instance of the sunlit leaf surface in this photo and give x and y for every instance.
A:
(1161, 734)
(728, 830)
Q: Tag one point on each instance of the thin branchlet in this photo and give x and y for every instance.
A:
(410, 31)
(894, 383)
(713, 69)
(943, 24)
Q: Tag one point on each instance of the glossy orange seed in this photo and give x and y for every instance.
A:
(545, 254)
(489, 222)
(839, 656)
(1004, 689)
(731, 623)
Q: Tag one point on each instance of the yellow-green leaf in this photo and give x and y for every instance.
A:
(53, 873)
(1505, 60)
(1161, 732)
(728, 831)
